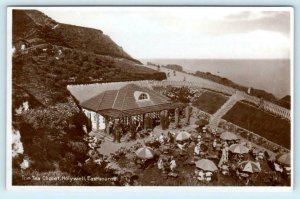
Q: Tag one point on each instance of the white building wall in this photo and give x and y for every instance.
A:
(94, 117)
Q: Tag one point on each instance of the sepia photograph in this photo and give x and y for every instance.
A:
(150, 96)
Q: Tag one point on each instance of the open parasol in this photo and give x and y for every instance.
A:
(145, 153)
(206, 165)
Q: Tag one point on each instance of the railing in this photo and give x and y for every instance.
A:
(267, 106)
(278, 110)
(267, 143)
(199, 84)
(90, 90)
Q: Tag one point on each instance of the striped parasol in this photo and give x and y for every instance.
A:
(284, 159)
(206, 165)
(238, 148)
(250, 167)
(228, 136)
(145, 153)
(183, 135)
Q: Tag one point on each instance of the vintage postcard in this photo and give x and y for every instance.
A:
(150, 96)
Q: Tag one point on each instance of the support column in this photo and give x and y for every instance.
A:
(97, 121)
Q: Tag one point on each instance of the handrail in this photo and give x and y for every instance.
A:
(202, 83)
(266, 105)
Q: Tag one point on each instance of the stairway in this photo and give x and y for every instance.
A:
(215, 118)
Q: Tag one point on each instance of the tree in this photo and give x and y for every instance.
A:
(182, 94)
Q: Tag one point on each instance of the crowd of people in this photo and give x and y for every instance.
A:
(172, 150)
(207, 144)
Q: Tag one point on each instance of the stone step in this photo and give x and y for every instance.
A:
(215, 119)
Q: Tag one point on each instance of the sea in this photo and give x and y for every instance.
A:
(271, 75)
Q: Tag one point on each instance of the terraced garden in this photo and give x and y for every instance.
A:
(262, 123)
(209, 101)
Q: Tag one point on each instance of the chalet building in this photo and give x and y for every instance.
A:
(125, 102)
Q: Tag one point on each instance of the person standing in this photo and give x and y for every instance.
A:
(162, 120)
(115, 130)
(188, 114)
(167, 121)
(176, 117)
(132, 129)
(119, 132)
(110, 127)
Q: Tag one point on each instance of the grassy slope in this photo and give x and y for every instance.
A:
(30, 24)
(209, 101)
(262, 123)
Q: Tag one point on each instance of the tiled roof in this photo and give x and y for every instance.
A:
(83, 92)
(123, 99)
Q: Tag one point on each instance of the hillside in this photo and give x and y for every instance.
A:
(224, 81)
(32, 24)
(48, 56)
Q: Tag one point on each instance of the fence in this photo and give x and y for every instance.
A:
(90, 90)
(237, 129)
(267, 106)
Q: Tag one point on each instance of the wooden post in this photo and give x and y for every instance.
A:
(97, 121)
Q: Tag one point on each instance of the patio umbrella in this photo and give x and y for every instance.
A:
(228, 136)
(250, 167)
(206, 165)
(183, 135)
(238, 148)
(284, 159)
(145, 153)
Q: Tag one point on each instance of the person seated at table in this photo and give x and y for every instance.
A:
(199, 138)
(160, 164)
(200, 176)
(287, 170)
(259, 156)
(166, 167)
(173, 164)
(197, 149)
(244, 175)
(249, 145)
(208, 176)
(161, 138)
(214, 144)
(213, 132)
(182, 147)
(225, 169)
(240, 157)
(278, 167)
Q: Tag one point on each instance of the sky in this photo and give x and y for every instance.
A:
(188, 32)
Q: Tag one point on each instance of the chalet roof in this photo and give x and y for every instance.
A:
(123, 99)
(83, 92)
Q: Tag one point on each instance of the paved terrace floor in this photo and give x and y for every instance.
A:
(108, 147)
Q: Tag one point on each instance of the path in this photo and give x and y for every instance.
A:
(108, 147)
(215, 118)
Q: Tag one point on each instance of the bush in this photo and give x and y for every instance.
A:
(182, 94)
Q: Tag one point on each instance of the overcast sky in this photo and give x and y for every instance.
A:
(187, 32)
